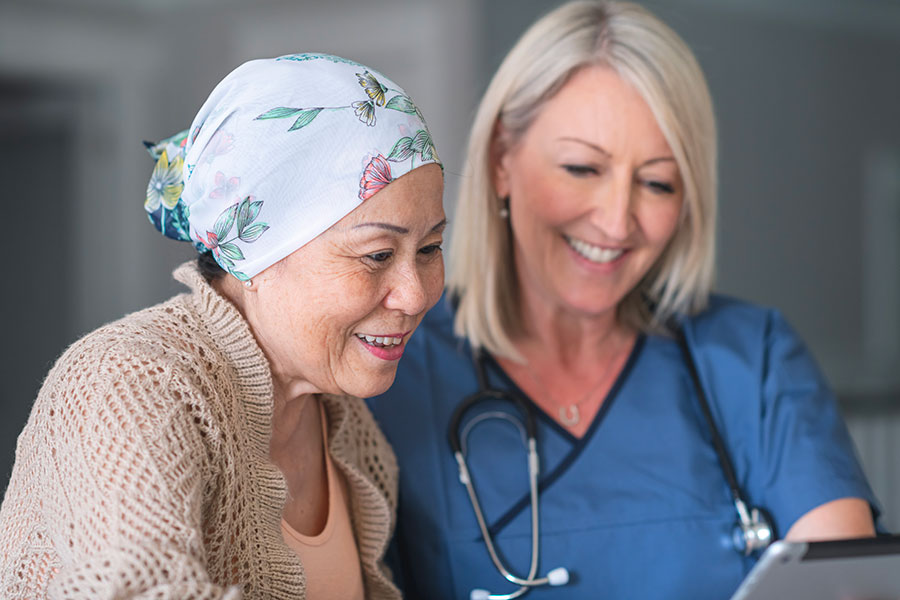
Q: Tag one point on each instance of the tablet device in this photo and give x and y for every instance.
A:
(856, 569)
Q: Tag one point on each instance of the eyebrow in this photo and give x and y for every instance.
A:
(603, 151)
(660, 159)
(600, 149)
(396, 228)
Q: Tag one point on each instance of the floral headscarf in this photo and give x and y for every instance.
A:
(283, 149)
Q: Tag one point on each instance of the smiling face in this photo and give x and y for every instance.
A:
(595, 195)
(335, 315)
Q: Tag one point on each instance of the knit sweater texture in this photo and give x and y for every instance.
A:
(144, 470)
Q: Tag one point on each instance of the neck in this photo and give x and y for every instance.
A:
(287, 414)
(567, 338)
(287, 388)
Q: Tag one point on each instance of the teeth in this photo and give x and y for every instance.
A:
(594, 253)
(380, 340)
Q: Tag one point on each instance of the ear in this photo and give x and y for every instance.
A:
(499, 159)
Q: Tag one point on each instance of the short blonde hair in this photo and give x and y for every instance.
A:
(652, 58)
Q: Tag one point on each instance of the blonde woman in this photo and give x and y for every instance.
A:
(678, 432)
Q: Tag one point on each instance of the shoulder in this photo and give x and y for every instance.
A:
(185, 334)
(167, 332)
(150, 363)
(740, 326)
(726, 311)
(740, 345)
(129, 393)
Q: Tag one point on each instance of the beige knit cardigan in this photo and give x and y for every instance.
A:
(144, 472)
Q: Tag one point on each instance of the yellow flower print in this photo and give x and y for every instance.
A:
(365, 111)
(166, 183)
(373, 87)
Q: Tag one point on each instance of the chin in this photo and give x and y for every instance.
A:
(593, 300)
(367, 387)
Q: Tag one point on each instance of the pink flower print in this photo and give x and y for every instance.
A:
(376, 175)
(221, 143)
(224, 187)
(211, 242)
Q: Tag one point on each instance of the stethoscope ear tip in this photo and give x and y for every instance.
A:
(479, 594)
(558, 576)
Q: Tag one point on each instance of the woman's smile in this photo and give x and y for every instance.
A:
(390, 351)
(595, 254)
(388, 347)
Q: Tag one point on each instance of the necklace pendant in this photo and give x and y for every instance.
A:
(569, 415)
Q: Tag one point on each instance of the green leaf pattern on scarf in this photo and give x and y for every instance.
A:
(226, 251)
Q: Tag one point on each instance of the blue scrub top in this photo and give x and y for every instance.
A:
(637, 508)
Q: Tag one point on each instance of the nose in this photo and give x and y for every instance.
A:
(408, 292)
(613, 213)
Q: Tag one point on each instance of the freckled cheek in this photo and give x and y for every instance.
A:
(333, 341)
(433, 280)
(359, 301)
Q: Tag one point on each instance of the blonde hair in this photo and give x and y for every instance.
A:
(652, 58)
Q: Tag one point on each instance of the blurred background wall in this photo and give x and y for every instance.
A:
(807, 96)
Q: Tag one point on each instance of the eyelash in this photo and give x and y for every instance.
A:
(385, 256)
(657, 187)
(660, 187)
(430, 249)
(580, 170)
(381, 257)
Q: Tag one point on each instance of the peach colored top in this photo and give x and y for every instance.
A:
(330, 559)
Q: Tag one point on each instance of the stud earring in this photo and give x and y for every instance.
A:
(504, 210)
(248, 283)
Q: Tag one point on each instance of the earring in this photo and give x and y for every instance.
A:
(248, 284)
(504, 210)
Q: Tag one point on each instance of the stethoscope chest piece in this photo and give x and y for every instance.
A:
(753, 532)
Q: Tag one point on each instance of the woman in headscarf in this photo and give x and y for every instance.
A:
(212, 446)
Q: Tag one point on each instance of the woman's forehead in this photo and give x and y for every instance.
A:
(414, 199)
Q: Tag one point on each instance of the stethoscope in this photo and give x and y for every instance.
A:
(752, 532)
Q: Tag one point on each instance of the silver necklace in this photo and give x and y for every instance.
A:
(570, 414)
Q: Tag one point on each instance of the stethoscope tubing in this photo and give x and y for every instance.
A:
(752, 534)
(456, 444)
(465, 479)
(751, 519)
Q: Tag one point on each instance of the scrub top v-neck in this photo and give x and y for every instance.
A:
(559, 442)
(638, 507)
